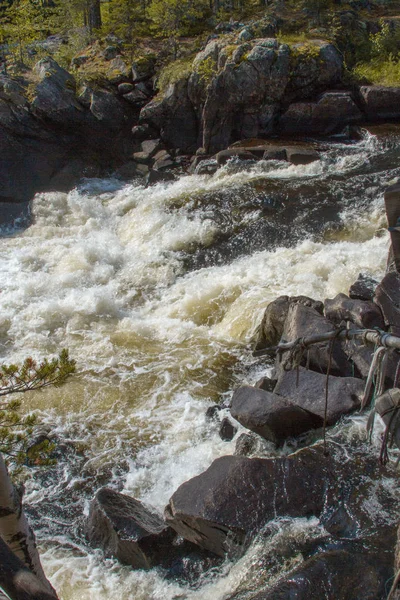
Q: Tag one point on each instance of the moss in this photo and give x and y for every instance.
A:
(173, 72)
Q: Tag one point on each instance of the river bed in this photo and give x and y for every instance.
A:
(157, 294)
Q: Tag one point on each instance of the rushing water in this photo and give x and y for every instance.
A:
(157, 293)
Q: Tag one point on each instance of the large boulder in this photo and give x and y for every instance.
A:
(174, 116)
(360, 312)
(330, 113)
(272, 324)
(307, 390)
(127, 530)
(303, 321)
(333, 574)
(381, 102)
(363, 288)
(55, 98)
(272, 417)
(224, 507)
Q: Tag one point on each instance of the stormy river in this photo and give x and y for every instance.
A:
(157, 294)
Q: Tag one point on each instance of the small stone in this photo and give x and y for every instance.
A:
(227, 430)
(125, 88)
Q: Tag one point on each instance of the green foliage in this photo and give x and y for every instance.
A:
(127, 19)
(386, 43)
(175, 71)
(15, 430)
(206, 70)
(174, 18)
(378, 72)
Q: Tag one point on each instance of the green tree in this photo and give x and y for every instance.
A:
(21, 573)
(173, 18)
(128, 19)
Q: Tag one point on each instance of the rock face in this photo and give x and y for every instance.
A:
(332, 574)
(273, 417)
(304, 321)
(245, 93)
(40, 140)
(127, 530)
(330, 113)
(381, 102)
(344, 393)
(272, 324)
(226, 505)
(361, 313)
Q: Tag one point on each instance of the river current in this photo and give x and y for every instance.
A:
(157, 294)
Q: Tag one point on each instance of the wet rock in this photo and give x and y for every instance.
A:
(387, 297)
(271, 416)
(227, 430)
(344, 396)
(71, 173)
(212, 412)
(233, 153)
(331, 113)
(362, 313)
(396, 595)
(127, 530)
(301, 156)
(207, 167)
(154, 177)
(275, 154)
(358, 354)
(304, 321)
(267, 384)
(250, 444)
(272, 324)
(381, 102)
(363, 288)
(224, 507)
(334, 574)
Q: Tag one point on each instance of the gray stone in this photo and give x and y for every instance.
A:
(250, 444)
(301, 156)
(127, 530)
(303, 321)
(158, 177)
(227, 430)
(271, 416)
(360, 312)
(106, 108)
(363, 288)
(222, 509)
(344, 393)
(151, 147)
(381, 102)
(387, 297)
(234, 153)
(110, 52)
(272, 324)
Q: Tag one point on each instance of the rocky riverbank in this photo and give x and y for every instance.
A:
(241, 497)
(56, 129)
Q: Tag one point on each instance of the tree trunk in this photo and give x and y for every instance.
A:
(15, 530)
(94, 15)
(17, 581)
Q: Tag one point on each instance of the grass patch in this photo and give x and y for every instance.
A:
(379, 72)
(175, 71)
